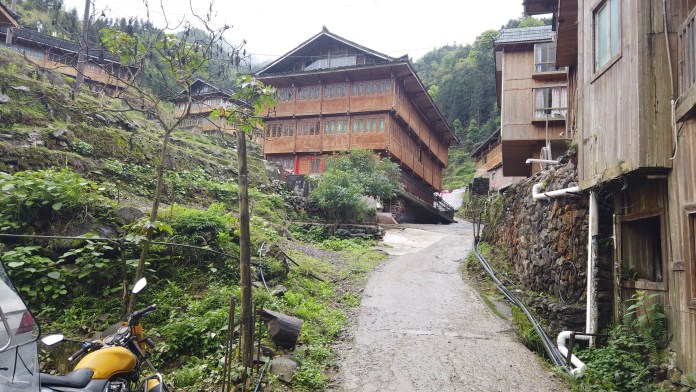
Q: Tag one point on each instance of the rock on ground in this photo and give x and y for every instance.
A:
(421, 328)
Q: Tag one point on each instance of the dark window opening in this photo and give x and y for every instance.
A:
(641, 248)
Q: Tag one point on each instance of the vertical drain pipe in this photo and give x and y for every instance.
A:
(593, 230)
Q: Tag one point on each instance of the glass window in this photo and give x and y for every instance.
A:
(285, 94)
(551, 102)
(607, 33)
(315, 166)
(545, 58)
(381, 124)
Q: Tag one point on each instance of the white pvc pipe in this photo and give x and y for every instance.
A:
(592, 232)
(537, 195)
(549, 161)
(563, 349)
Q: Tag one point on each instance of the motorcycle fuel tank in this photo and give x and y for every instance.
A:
(108, 361)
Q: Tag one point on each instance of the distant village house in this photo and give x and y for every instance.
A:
(335, 95)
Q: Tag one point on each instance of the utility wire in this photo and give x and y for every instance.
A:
(114, 240)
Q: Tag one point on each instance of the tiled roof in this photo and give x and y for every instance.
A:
(325, 33)
(58, 43)
(525, 34)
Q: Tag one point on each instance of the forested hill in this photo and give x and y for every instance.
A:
(461, 81)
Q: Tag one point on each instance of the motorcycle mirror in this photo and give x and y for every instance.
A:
(139, 285)
(50, 340)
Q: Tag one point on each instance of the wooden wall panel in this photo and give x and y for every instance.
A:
(309, 143)
(624, 120)
(335, 142)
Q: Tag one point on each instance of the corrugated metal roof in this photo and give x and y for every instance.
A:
(525, 34)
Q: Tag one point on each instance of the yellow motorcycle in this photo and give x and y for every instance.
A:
(113, 363)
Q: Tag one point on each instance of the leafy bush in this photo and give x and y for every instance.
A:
(196, 227)
(339, 197)
(28, 196)
(630, 358)
(37, 277)
(81, 147)
(348, 177)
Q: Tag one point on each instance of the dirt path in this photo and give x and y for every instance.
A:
(421, 328)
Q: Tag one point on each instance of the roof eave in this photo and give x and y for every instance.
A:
(327, 33)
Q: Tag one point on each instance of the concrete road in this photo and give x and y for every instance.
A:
(421, 328)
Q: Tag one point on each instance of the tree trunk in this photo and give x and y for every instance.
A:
(153, 212)
(247, 343)
(82, 54)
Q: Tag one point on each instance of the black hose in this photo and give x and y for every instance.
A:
(556, 357)
(258, 383)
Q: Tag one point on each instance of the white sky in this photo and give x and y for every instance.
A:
(394, 27)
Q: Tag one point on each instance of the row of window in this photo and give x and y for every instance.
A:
(278, 130)
(335, 127)
(369, 125)
(285, 94)
(331, 127)
(211, 103)
(336, 90)
(372, 87)
(308, 92)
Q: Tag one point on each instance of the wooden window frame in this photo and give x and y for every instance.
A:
(551, 108)
(599, 7)
(544, 64)
(691, 234)
(644, 284)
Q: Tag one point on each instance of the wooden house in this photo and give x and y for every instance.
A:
(59, 55)
(633, 68)
(489, 163)
(7, 17)
(335, 95)
(204, 97)
(532, 96)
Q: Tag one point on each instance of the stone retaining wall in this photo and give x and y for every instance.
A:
(546, 242)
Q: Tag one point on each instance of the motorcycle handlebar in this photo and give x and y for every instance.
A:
(86, 346)
(140, 313)
(77, 354)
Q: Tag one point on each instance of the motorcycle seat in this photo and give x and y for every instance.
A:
(75, 379)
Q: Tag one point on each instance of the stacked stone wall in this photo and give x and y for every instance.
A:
(546, 241)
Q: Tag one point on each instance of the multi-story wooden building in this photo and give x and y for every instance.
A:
(532, 97)
(633, 113)
(204, 97)
(335, 95)
(59, 55)
(7, 17)
(489, 163)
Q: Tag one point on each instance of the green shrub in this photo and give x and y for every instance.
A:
(630, 358)
(28, 196)
(80, 147)
(37, 277)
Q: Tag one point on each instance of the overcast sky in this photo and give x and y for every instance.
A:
(394, 27)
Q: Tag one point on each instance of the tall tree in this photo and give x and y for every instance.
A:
(251, 99)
